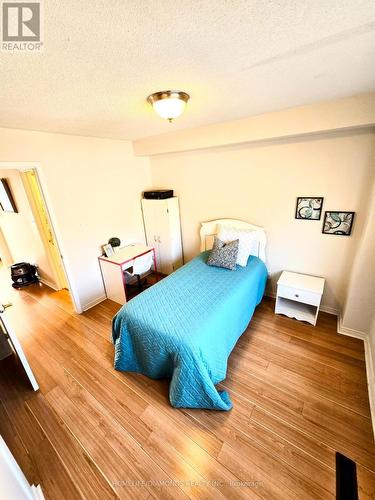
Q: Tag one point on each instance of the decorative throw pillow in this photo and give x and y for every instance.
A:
(248, 241)
(223, 254)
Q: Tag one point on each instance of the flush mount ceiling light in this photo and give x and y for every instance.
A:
(169, 104)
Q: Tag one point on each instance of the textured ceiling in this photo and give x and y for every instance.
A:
(235, 57)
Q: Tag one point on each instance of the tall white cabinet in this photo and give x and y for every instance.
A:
(163, 232)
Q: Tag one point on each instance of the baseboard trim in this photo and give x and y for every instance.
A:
(93, 303)
(369, 360)
(48, 283)
(330, 310)
(370, 372)
(350, 332)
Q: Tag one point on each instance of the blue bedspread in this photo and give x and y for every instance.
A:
(185, 327)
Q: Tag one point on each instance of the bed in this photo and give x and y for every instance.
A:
(185, 327)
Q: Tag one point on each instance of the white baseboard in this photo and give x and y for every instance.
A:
(329, 310)
(369, 360)
(48, 283)
(93, 303)
(370, 371)
(344, 330)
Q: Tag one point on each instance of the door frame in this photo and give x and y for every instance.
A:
(36, 166)
(5, 254)
(44, 226)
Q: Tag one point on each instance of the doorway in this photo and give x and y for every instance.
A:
(29, 236)
(44, 225)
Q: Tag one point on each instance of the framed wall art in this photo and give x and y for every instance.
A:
(309, 207)
(337, 222)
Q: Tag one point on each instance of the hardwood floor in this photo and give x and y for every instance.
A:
(299, 396)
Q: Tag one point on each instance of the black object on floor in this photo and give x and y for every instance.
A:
(23, 274)
(346, 478)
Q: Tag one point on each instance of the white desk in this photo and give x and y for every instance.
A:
(112, 269)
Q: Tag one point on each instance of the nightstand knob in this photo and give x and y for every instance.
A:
(296, 295)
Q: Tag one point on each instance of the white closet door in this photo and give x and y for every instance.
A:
(150, 229)
(175, 233)
(156, 220)
(162, 230)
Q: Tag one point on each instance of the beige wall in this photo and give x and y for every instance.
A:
(93, 189)
(322, 117)
(359, 309)
(20, 231)
(259, 183)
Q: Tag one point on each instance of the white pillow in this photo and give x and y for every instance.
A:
(248, 241)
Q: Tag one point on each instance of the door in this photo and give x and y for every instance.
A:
(5, 255)
(162, 231)
(14, 484)
(6, 329)
(43, 222)
(156, 220)
(150, 224)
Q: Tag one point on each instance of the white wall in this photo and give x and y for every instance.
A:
(359, 308)
(322, 117)
(20, 231)
(358, 314)
(93, 188)
(259, 183)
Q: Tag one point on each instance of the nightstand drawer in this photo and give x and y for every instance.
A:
(303, 296)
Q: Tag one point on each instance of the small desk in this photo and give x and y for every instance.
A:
(112, 269)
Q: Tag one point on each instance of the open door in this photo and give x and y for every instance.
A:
(8, 332)
(14, 484)
(42, 219)
(5, 255)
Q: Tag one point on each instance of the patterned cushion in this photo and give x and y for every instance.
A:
(223, 254)
(248, 241)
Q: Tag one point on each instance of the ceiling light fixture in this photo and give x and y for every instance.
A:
(169, 104)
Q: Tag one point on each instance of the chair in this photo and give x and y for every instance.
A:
(141, 265)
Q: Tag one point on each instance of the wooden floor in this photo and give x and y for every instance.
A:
(299, 396)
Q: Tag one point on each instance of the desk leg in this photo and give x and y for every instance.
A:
(124, 283)
(114, 281)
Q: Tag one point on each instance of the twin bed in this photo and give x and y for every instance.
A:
(185, 327)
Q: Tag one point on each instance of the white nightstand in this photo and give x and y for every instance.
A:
(299, 295)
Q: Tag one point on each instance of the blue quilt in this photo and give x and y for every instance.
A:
(184, 328)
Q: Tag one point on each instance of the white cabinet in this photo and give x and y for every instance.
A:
(163, 232)
(299, 296)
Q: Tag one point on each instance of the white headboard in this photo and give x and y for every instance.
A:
(210, 229)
